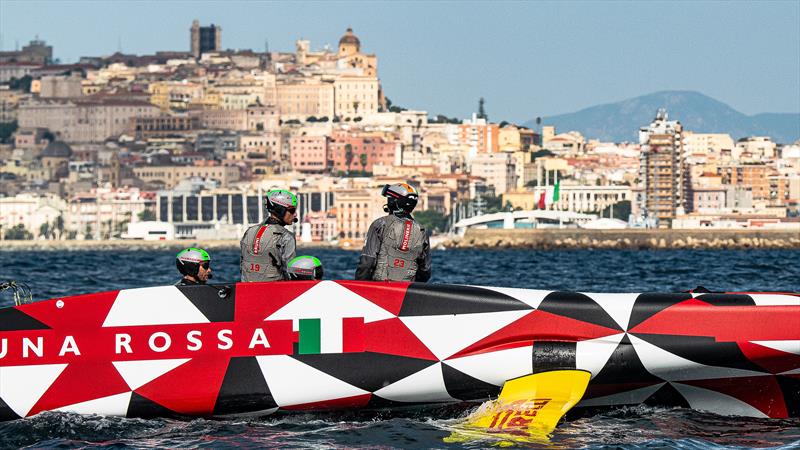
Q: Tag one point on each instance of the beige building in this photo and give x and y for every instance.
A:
(169, 176)
(9, 104)
(103, 213)
(754, 148)
(84, 121)
(356, 209)
(548, 132)
(175, 94)
(513, 138)
(709, 145)
(498, 169)
(356, 96)
(61, 86)
(252, 118)
(300, 98)
(266, 144)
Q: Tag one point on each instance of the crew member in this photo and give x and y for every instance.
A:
(305, 268)
(397, 247)
(195, 266)
(267, 248)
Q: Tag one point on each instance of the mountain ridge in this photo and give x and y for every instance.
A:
(620, 121)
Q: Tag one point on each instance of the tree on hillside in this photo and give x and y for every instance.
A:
(363, 159)
(20, 84)
(7, 129)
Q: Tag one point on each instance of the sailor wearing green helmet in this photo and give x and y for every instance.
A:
(268, 247)
(195, 266)
(305, 268)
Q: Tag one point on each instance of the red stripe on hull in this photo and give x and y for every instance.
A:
(537, 326)
(725, 323)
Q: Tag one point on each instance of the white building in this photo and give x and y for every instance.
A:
(30, 210)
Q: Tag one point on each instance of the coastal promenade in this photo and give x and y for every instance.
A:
(627, 239)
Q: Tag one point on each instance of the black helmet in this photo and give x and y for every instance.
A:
(278, 201)
(305, 268)
(189, 260)
(400, 197)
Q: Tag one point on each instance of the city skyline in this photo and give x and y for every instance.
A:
(611, 51)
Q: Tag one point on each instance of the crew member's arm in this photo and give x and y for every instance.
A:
(288, 252)
(424, 261)
(241, 256)
(369, 254)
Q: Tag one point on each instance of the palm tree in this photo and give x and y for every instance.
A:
(348, 156)
(363, 159)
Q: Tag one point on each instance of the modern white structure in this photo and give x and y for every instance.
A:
(540, 218)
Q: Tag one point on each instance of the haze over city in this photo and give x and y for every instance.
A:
(526, 59)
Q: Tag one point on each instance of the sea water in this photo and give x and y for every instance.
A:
(60, 273)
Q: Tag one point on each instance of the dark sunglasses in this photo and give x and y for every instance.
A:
(291, 210)
(205, 264)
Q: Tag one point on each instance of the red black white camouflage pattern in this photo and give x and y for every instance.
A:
(235, 349)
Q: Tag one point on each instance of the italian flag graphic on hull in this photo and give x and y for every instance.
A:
(333, 335)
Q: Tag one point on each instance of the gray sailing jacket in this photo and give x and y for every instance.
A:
(266, 251)
(396, 249)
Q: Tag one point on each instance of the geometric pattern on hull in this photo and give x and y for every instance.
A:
(246, 348)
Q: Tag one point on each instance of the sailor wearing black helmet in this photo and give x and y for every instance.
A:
(195, 266)
(268, 247)
(397, 247)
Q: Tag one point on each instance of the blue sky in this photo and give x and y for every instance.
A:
(526, 58)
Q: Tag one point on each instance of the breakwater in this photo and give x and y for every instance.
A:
(626, 239)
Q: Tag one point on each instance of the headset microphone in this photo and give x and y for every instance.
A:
(294, 220)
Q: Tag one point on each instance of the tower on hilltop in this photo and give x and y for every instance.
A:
(349, 44)
(205, 39)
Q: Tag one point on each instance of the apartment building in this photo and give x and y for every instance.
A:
(661, 171)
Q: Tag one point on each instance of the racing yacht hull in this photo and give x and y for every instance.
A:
(259, 347)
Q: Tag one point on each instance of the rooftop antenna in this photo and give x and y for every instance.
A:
(16, 45)
(266, 45)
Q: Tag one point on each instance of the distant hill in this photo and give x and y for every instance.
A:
(621, 121)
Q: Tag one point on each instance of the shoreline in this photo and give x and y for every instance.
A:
(540, 239)
(113, 244)
(629, 239)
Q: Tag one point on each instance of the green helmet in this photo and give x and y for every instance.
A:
(188, 261)
(305, 268)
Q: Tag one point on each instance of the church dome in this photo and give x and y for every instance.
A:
(349, 39)
(57, 149)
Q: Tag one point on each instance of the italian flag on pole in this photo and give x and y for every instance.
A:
(330, 335)
(555, 191)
